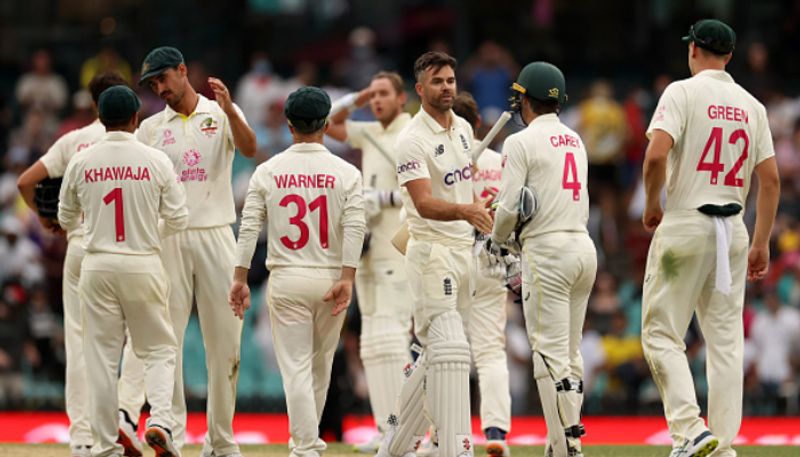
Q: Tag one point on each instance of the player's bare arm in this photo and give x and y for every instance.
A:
(342, 291)
(769, 190)
(243, 136)
(27, 187)
(655, 175)
(437, 209)
(239, 296)
(346, 105)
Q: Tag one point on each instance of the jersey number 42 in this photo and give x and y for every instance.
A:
(715, 166)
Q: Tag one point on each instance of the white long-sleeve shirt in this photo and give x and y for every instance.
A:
(122, 187)
(313, 204)
(549, 158)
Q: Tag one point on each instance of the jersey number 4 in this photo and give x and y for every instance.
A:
(320, 203)
(119, 216)
(570, 179)
(715, 167)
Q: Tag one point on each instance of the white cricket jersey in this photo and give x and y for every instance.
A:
(720, 134)
(122, 187)
(490, 167)
(426, 150)
(380, 173)
(549, 158)
(201, 149)
(313, 203)
(56, 158)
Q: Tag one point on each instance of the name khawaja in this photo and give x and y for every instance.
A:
(315, 181)
(116, 174)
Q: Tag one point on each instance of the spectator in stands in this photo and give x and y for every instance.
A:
(258, 89)
(488, 74)
(41, 88)
(107, 59)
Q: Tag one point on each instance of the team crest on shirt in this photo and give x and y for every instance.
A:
(168, 138)
(208, 126)
(463, 141)
(438, 150)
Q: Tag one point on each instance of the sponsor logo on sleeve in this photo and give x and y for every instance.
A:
(409, 166)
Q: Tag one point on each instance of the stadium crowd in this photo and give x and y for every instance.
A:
(610, 115)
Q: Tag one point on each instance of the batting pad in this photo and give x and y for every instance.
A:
(447, 397)
(384, 354)
(548, 396)
(410, 423)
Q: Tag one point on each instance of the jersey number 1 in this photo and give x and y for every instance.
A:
(715, 167)
(320, 203)
(119, 216)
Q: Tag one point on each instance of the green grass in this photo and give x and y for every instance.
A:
(342, 450)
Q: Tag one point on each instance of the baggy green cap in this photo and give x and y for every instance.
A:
(158, 61)
(118, 104)
(713, 35)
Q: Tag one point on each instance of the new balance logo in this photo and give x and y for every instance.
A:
(448, 286)
(439, 150)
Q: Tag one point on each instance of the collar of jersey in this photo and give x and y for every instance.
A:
(432, 124)
(307, 147)
(549, 117)
(399, 122)
(721, 75)
(118, 135)
(203, 107)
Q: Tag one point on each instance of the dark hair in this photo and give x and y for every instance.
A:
(103, 81)
(435, 59)
(394, 78)
(544, 106)
(465, 106)
(116, 124)
(308, 126)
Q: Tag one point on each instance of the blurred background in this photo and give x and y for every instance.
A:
(617, 56)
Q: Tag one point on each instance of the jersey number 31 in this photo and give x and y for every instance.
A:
(715, 166)
(320, 203)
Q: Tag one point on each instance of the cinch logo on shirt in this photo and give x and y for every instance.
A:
(413, 165)
(116, 174)
(458, 175)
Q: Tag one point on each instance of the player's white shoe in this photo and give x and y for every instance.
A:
(383, 450)
(160, 439)
(80, 450)
(371, 446)
(127, 438)
(428, 449)
(497, 448)
(702, 445)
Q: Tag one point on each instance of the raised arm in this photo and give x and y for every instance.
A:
(341, 110)
(244, 138)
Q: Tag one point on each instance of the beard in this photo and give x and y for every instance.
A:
(439, 103)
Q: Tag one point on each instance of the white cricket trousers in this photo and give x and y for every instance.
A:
(76, 390)
(199, 265)
(305, 335)
(679, 281)
(487, 340)
(558, 274)
(384, 300)
(118, 291)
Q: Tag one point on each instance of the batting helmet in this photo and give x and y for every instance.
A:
(46, 198)
(540, 81)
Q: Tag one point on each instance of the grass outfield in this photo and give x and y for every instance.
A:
(342, 450)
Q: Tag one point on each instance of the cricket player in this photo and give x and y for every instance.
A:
(559, 260)
(384, 298)
(434, 166)
(707, 137)
(122, 188)
(313, 205)
(487, 320)
(52, 165)
(200, 137)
